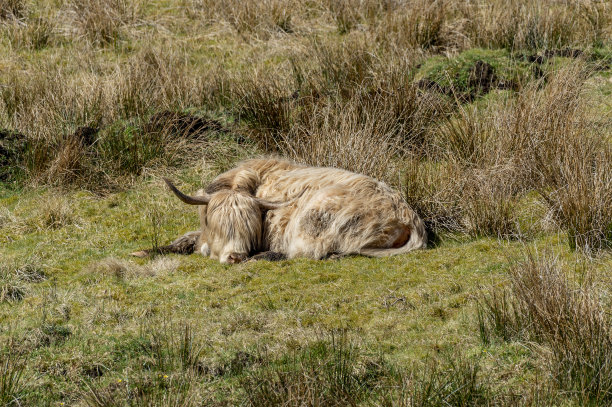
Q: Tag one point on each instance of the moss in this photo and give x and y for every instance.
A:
(457, 73)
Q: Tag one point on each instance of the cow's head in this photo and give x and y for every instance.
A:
(234, 222)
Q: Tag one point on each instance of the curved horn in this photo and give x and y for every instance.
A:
(191, 200)
(270, 206)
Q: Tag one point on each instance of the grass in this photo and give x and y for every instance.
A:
(12, 380)
(393, 307)
(492, 118)
(544, 306)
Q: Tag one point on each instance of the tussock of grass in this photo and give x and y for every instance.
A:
(168, 374)
(15, 277)
(324, 374)
(35, 34)
(127, 269)
(12, 9)
(103, 22)
(260, 20)
(336, 373)
(12, 379)
(544, 306)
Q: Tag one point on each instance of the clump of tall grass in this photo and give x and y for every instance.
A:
(522, 24)
(103, 22)
(11, 287)
(334, 372)
(456, 381)
(266, 104)
(167, 373)
(417, 25)
(324, 374)
(32, 34)
(258, 19)
(15, 277)
(492, 157)
(94, 129)
(343, 135)
(350, 14)
(581, 195)
(569, 157)
(545, 306)
(12, 378)
(12, 9)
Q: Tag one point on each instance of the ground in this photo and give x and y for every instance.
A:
(492, 121)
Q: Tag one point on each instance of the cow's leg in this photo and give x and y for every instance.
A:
(338, 256)
(269, 255)
(185, 244)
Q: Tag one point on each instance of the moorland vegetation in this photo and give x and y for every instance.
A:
(493, 118)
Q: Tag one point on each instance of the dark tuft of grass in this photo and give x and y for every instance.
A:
(325, 374)
(12, 379)
(455, 382)
(15, 277)
(12, 9)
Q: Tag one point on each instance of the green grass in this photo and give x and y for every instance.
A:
(84, 317)
(82, 323)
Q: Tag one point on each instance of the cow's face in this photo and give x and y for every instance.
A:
(233, 226)
(232, 222)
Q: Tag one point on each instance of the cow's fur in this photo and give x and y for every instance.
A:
(326, 211)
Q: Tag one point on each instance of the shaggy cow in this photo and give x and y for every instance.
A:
(300, 211)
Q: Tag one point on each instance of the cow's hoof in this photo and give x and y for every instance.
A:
(141, 253)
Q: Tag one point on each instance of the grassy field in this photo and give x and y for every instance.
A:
(493, 118)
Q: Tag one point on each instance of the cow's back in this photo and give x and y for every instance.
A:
(337, 212)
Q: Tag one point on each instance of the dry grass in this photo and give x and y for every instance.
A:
(260, 19)
(536, 25)
(342, 135)
(581, 197)
(485, 160)
(32, 35)
(103, 22)
(15, 278)
(418, 24)
(572, 322)
(12, 9)
(122, 269)
(566, 318)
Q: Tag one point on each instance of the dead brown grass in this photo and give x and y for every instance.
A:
(122, 269)
(103, 22)
(543, 139)
(343, 135)
(562, 314)
(12, 9)
(32, 34)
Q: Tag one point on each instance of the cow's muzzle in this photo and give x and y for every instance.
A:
(235, 258)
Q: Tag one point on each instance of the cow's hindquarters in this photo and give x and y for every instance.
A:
(339, 221)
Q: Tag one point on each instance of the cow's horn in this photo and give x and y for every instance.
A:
(270, 206)
(191, 200)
